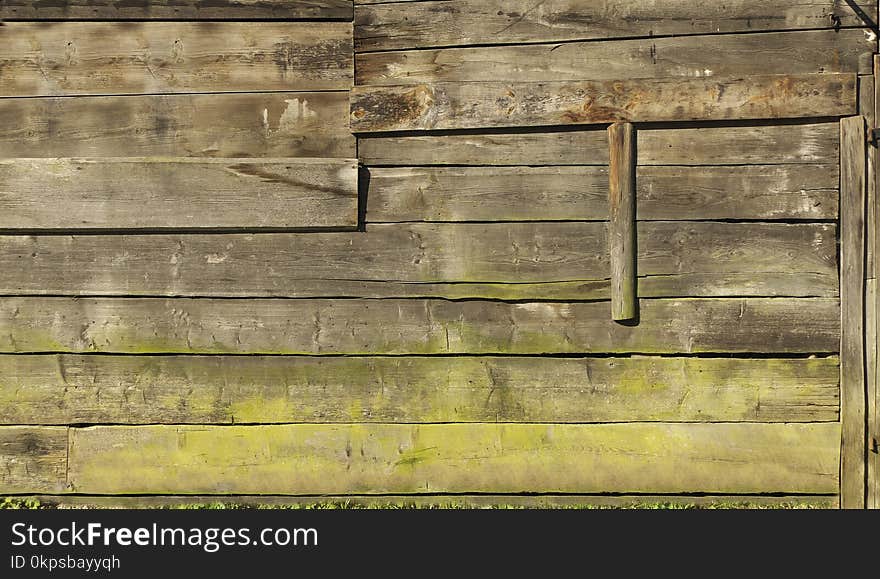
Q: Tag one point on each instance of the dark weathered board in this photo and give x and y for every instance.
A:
(190, 193)
(462, 194)
(853, 387)
(689, 145)
(274, 264)
(475, 105)
(33, 459)
(254, 326)
(226, 125)
(687, 56)
(78, 58)
(390, 26)
(455, 458)
(95, 389)
(176, 9)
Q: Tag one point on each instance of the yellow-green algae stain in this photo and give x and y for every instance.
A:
(662, 458)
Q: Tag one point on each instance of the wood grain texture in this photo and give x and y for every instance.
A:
(778, 284)
(867, 104)
(461, 194)
(33, 459)
(228, 125)
(278, 264)
(852, 287)
(622, 221)
(711, 145)
(188, 193)
(455, 458)
(253, 326)
(88, 58)
(810, 51)
(871, 464)
(873, 323)
(394, 26)
(478, 105)
(96, 389)
(176, 10)
(543, 501)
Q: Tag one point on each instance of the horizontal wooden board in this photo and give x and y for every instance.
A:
(781, 284)
(713, 145)
(226, 125)
(478, 105)
(810, 51)
(802, 284)
(96, 389)
(543, 501)
(33, 459)
(176, 10)
(391, 26)
(254, 326)
(189, 193)
(514, 253)
(83, 58)
(573, 193)
(455, 458)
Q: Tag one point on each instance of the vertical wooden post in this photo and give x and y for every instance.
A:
(872, 298)
(622, 227)
(852, 286)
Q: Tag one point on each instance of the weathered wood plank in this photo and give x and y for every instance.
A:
(542, 501)
(748, 192)
(478, 105)
(872, 463)
(731, 145)
(189, 193)
(852, 286)
(275, 264)
(866, 109)
(176, 10)
(33, 459)
(96, 389)
(803, 52)
(88, 58)
(253, 125)
(873, 328)
(253, 326)
(461, 194)
(622, 220)
(461, 22)
(804, 284)
(455, 458)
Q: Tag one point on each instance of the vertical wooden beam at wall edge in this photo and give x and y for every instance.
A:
(853, 141)
(871, 334)
(622, 226)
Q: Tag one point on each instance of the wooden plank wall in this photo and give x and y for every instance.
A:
(455, 83)
(461, 342)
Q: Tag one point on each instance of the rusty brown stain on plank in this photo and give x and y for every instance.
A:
(493, 104)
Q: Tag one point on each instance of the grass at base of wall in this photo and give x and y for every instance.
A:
(29, 503)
